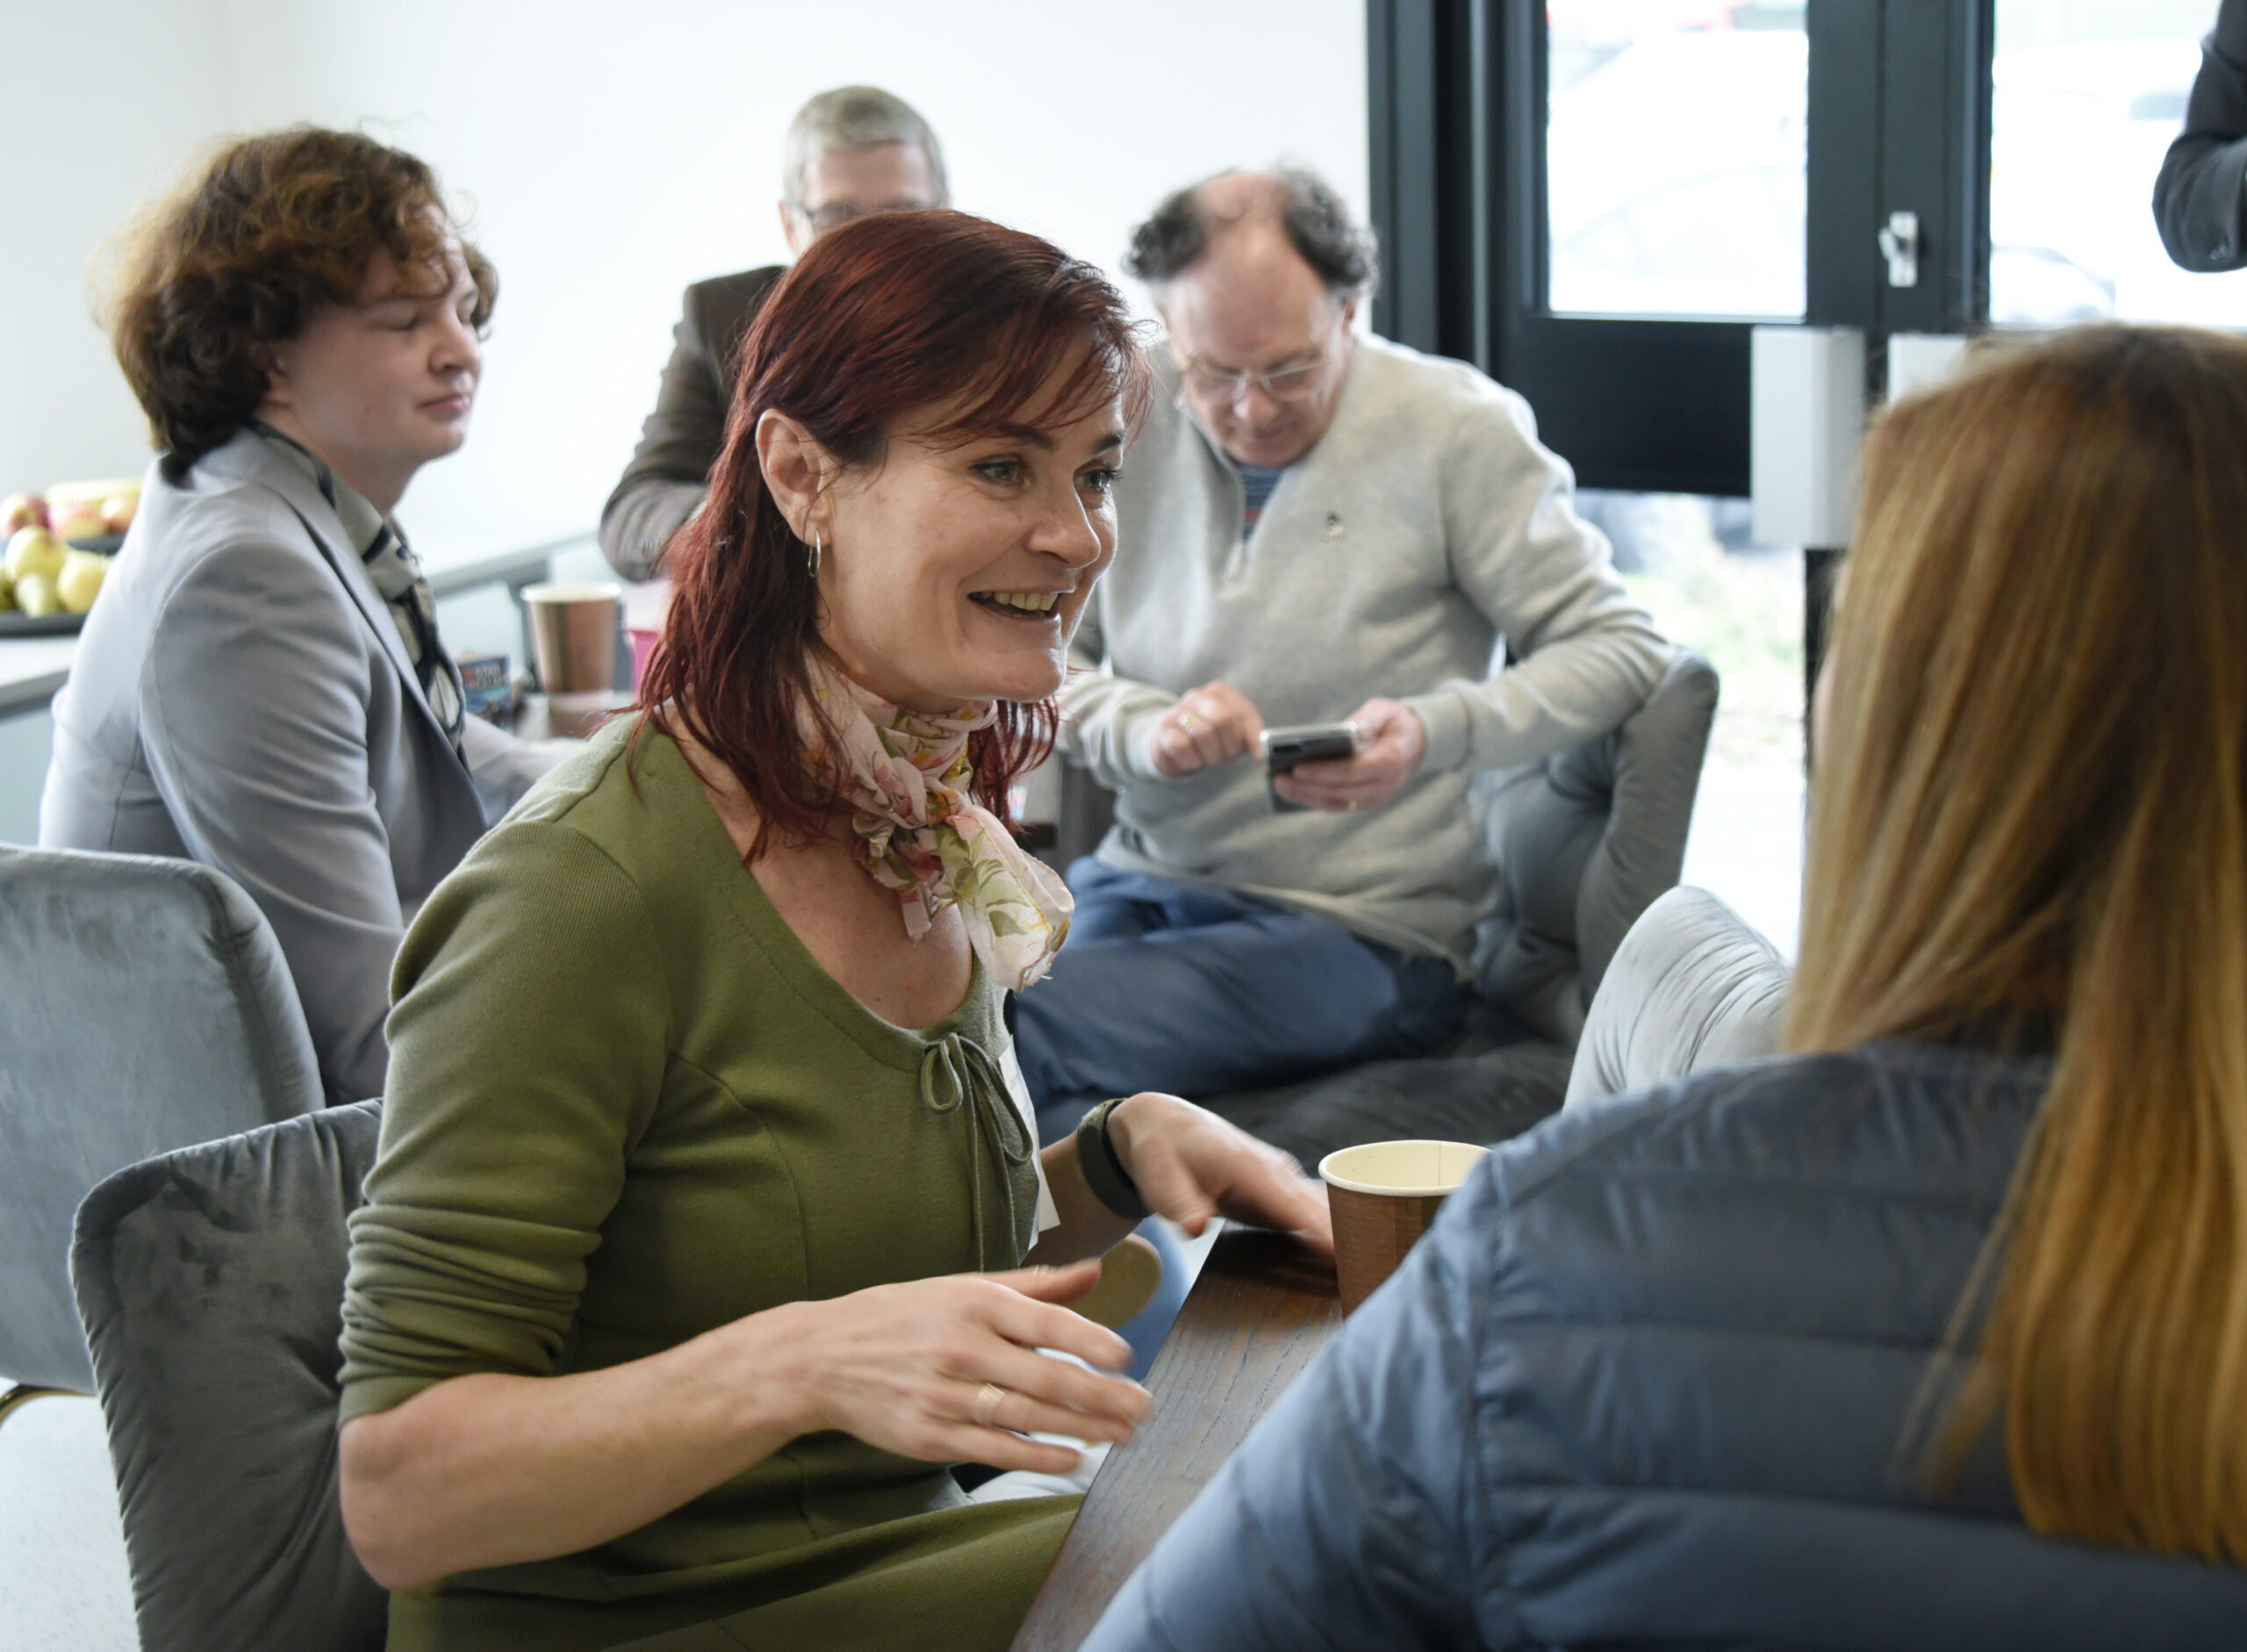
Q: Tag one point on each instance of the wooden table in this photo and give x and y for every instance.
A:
(1258, 1314)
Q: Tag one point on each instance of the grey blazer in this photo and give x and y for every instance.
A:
(670, 470)
(241, 697)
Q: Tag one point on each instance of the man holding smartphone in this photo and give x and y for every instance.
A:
(1316, 530)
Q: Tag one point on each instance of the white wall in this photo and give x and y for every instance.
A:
(615, 154)
(104, 99)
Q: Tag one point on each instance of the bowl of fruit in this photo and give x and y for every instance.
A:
(58, 549)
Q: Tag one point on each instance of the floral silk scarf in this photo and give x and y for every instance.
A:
(906, 776)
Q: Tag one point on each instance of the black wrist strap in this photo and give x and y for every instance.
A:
(1111, 1184)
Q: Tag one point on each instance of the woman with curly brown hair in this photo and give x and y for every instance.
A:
(264, 688)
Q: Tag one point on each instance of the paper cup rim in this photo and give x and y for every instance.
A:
(1349, 1184)
(574, 590)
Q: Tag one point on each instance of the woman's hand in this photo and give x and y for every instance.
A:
(1189, 1164)
(1212, 724)
(487, 1470)
(905, 1368)
(1391, 742)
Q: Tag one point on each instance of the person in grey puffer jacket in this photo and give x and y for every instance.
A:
(1591, 1411)
(1927, 1337)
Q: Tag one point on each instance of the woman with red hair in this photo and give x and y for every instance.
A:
(696, 1246)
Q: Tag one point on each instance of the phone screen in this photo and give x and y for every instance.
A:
(1309, 742)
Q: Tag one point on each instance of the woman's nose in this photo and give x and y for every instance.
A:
(1070, 534)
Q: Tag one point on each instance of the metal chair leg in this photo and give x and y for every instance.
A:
(22, 1393)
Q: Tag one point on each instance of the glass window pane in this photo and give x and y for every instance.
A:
(2087, 96)
(1674, 157)
(1690, 560)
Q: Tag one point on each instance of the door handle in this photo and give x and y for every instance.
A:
(1900, 245)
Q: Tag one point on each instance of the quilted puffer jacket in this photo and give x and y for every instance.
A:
(1643, 1385)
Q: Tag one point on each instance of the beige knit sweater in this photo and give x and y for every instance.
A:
(1424, 534)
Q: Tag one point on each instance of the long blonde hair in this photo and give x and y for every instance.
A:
(2031, 808)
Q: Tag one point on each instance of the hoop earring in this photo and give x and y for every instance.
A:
(817, 545)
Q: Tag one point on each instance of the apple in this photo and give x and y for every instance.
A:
(118, 510)
(79, 520)
(80, 582)
(33, 550)
(22, 510)
(7, 592)
(37, 596)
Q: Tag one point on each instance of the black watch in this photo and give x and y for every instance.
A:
(1111, 1184)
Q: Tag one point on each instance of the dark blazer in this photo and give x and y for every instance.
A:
(241, 697)
(670, 470)
(1643, 1385)
(2199, 197)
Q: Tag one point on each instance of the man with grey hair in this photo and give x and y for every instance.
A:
(1313, 528)
(853, 150)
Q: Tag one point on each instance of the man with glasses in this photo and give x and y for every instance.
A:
(853, 150)
(1314, 526)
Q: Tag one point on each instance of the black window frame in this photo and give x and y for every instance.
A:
(1899, 119)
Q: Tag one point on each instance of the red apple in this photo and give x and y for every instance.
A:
(82, 519)
(21, 510)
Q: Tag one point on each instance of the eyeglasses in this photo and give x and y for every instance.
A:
(1299, 381)
(835, 214)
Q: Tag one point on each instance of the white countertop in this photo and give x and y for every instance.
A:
(32, 668)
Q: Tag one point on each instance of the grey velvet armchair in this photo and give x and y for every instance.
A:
(1584, 842)
(1693, 985)
(144, 1004)
(211, 1281)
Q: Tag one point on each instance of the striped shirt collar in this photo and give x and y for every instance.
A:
(363, 523)
(398, 579)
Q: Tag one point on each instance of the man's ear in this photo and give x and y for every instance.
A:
(794, 229)
(797, 470)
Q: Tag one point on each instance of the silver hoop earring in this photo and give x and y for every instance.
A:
(817, 545)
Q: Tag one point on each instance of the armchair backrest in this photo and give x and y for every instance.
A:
(1583, 843)
(211, 1281)
(144, 1005)
(1693, 985)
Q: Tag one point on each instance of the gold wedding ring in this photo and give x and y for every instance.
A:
(988, 1398)
(1188, 721)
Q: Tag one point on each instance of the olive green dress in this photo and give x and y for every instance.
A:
(626, 1106)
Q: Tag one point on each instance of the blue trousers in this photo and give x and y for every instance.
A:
(1167, 986)
(1198, 992)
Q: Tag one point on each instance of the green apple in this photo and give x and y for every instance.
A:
(37, 596)
(7, 592)
(80, 582)
(34, 551)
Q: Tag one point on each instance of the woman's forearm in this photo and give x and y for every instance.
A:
(488, 1469)
(1189, 1165)
(1087, 1227)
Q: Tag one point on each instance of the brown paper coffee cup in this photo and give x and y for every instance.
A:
(573, 637)
(1383, 1195)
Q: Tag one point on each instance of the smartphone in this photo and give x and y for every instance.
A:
(1307, 742)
